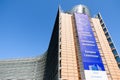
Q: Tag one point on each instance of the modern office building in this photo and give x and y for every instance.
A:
(80, 48)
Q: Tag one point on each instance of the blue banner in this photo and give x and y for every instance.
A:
(91, 58)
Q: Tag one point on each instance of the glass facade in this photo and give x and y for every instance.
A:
(23, 69)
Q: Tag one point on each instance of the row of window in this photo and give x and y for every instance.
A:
(101, 52)
(117, 57)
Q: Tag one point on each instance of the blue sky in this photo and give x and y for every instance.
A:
(26, 25)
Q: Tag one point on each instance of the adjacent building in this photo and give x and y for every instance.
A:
(80, 48)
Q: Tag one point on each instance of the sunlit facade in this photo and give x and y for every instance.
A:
(80, 48)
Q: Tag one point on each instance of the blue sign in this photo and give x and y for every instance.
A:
(91, 58)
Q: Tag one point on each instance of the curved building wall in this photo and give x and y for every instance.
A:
(23, 69)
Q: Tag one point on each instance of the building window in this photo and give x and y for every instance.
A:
(83, 10)
(60, 63)
(60, 73)
(60, 54)
(60, 46)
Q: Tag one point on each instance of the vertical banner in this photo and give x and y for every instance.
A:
(91, 59)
